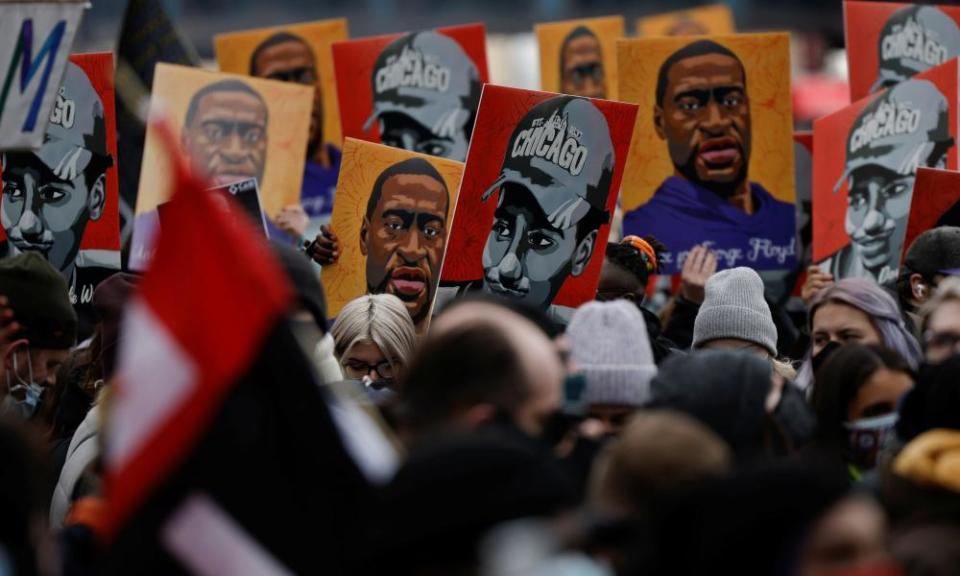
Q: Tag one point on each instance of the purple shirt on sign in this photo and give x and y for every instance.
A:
(682, 215)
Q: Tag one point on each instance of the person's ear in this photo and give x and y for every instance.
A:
(583, 252)
(97, 197)
(658, 121)
(918, 287)
(12, 349)
(364, 235)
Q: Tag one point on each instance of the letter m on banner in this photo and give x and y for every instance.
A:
(35, 41)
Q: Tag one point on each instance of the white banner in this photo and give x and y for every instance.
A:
(35, 41)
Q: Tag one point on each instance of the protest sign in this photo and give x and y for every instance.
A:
(579, 57)
(712, 19)
(232, 128)
(890, 42)
(865, 161)
(393, 213)
(733, 189)
(538, 193)
(417, 91)
(35, 41)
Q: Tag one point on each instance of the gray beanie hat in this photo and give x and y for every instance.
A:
(612, 349)
(734, 308)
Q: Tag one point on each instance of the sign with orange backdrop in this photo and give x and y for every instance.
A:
(936, 202)
(393, 212)
(713, 19)
(538, 193)
(865, 161)
(236, 53)
(232, 128)
(68, 209)
(417, 91)
(712, 160)
(579, 57)
(890, 42)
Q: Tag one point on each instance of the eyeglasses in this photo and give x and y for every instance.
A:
(357, 369)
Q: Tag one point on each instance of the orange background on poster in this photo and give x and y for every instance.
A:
(550, 38)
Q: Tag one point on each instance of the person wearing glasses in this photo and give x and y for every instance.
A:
(581, 65)
(374, 339)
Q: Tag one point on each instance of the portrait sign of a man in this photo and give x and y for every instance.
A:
(404, 233)
(393, 214)
(552, 197)
(225, 132)
(52, 194)
(905, 128)
(581, 64)
(914, 39)
(702, 114)
(425, 95)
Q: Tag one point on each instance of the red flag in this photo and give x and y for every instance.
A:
(202, 311)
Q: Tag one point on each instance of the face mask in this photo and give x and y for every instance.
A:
(574, 389)
(818, 360)
(866, 437)
(31, 391)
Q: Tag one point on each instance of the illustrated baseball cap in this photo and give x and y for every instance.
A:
(427, 76)
(914, 39)
(936, 251)
(562, 153)
(899, 130)
(77, 129)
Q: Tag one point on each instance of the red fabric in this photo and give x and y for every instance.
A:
(217, 290)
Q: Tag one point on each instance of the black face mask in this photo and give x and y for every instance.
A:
(828, 350)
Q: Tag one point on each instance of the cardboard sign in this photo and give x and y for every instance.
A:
(417, 91)
(537, 197)
(294, 53)
(936, 202)
(579, 57)
(232, 128)
(62, 199)
(733, 191)
(706, 20)
(394, 210)
(890, 42)
(35, 41)
(865, 160)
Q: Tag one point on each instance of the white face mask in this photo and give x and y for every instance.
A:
(31, 391)
(867, 436)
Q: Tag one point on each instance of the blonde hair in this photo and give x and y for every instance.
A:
(947, 291)
(378, 318)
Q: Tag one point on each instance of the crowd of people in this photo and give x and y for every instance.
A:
(690, 440)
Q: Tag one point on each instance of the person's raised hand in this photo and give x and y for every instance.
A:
(817, 280)
(292, 220)
(325, 248)
(699, 266)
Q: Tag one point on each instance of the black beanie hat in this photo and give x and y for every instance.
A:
(40, 300)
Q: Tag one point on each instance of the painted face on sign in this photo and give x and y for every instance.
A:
(288, 58)
(404, 239)
(526, 258)
(581, 66)
(878, 207)
(226, 136)
(402, 131)
(705, 118)
(46, 214)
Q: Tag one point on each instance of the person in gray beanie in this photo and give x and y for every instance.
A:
(734, 314)
(611, 348)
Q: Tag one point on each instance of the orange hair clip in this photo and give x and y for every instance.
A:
(644, 247)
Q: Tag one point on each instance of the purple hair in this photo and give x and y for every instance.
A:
(866, 296)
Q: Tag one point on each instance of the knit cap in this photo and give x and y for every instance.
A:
(612, 350)
(40, 301)
(734, 307)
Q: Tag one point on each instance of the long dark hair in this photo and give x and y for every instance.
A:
(839, 380)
